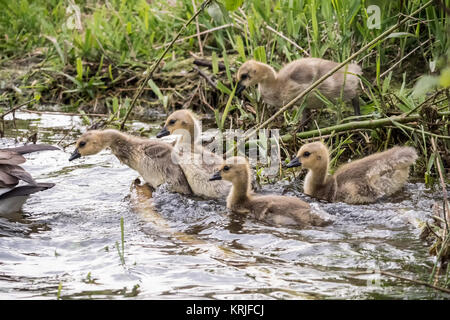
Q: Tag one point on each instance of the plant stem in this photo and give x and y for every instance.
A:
(423, 283)
(367, 124)
(155, 65)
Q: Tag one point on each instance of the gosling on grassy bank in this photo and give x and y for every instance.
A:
(277, 89)
(361, 181)
(154, 160)
(12, 197)
(198, 163)
(274, 209)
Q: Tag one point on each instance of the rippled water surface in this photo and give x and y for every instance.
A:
(177, 247)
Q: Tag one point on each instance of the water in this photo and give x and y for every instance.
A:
(178, 247)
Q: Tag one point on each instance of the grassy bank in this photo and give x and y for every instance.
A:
(91, 57)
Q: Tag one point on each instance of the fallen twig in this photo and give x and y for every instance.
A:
(15, 108)
(204, 75)
(367, 124)
(206, 63)
(65, 113)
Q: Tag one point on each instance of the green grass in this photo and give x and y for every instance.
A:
(102, 63)
(121, 248)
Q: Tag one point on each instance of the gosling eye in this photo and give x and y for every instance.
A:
(244, 76)
(82, 144)
(306, 154)
(172, 122)
(226, 168)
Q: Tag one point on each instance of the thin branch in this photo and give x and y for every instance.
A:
(196, 35)
(206, 63)
(287, 39)
(150, 72)
(423, 283)
(399, 61)
(199, 39)
(444, 190)
(15, 108)
(204, 75)
(367, 124)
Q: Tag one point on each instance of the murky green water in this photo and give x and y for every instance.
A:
(196, 249)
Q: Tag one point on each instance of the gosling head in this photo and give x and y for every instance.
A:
(311, 156)
(180, 122)
(252, 72)
(233, 169)
(90, 142)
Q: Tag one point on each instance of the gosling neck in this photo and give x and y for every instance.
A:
(111, 137)
(270, 76)
(188, 139)
(318, 175)
(120, 144)
(240, 191)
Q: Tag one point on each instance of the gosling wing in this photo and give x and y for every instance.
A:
(167, 160)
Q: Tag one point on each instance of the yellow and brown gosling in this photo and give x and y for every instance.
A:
(361, 181)
(197, 162)
(277, 89)
(274, 209)
(154, 160)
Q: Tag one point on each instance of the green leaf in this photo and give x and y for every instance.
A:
(129, 30)
(215, 63)
(232, 5)
(223, 88)
(79, 69)
(444, 79)
(58, 48)
(400, 35)
(240, 47)
(115, 105)
(155, 89)
(227, 108)
(260, 54)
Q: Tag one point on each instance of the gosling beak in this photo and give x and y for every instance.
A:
(239, 88)
(294, 163)
(75, 155)
(164, 132)
(215, 176)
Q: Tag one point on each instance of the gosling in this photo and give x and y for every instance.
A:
(278, 210)
(12, 197)
(154, 160)
(277, 89)
(197, 163)
(362, 181)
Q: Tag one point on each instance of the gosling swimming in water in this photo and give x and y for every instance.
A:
(197, 163)
(361, 181)
(154, 160)
(277, 89)
(279, 210)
